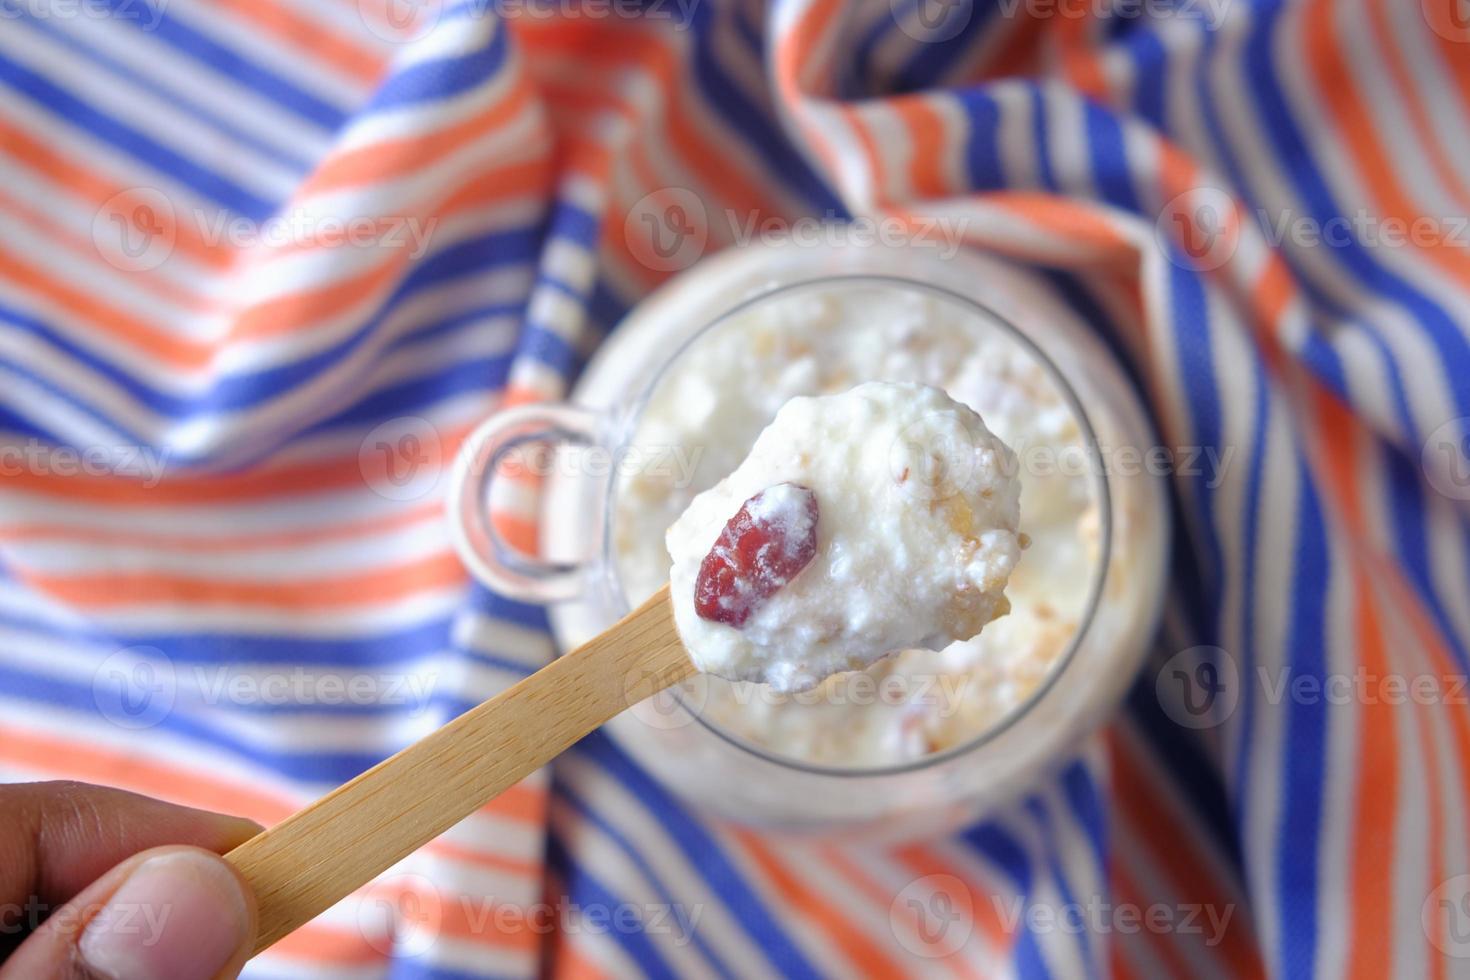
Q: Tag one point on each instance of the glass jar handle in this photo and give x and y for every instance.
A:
(481, 546)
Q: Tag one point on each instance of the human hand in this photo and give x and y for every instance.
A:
(96, 882)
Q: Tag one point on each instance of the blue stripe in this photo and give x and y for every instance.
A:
(177, 99)
(382, 649)
(442, 78)
(226, 62)
(764, 136)
(705, 856)
(1110, 167)
(585, 891)
(1001, 849)
(181, 170)
(1304, 759)
(982, 141)
(495, 250)
(315, 765)
(1042, 817)
(667, 897)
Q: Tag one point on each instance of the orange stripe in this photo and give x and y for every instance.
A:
(95, 191)
(1376, 804)
(953, 961)
(195, 489)
(865, 956)
(387, 159)
(566, 961)
(927, 140)
(111, 590)
(210, 543)
(310, 38)
(178, 352)
(653, 54)
(322, 945)
(84, 253)
(92, 762)
(1410, 102)
(1129, 893)
(1337, 88)
(1156, 824)
(1077, 223)
(794, 53)
(1073, 28)
(923, 861)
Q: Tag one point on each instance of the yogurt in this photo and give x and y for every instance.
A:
(713, 403)
(877, 520)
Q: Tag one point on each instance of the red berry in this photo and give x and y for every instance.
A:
(763, 547)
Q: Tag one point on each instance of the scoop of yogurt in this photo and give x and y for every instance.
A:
(863, 523)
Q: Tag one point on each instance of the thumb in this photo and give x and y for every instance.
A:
(177, 912)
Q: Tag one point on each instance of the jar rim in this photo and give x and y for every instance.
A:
(1102, 495)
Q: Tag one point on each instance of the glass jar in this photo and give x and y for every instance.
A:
(593, 442)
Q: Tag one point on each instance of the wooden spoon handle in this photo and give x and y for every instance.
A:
(317, 857)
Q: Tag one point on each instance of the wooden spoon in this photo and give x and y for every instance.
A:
(315, 858)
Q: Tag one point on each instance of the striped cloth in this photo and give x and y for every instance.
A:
(263, 263)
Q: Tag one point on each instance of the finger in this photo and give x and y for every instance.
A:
(56, 838)
(177, 912)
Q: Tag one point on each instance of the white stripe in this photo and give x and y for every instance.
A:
(152, 117)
